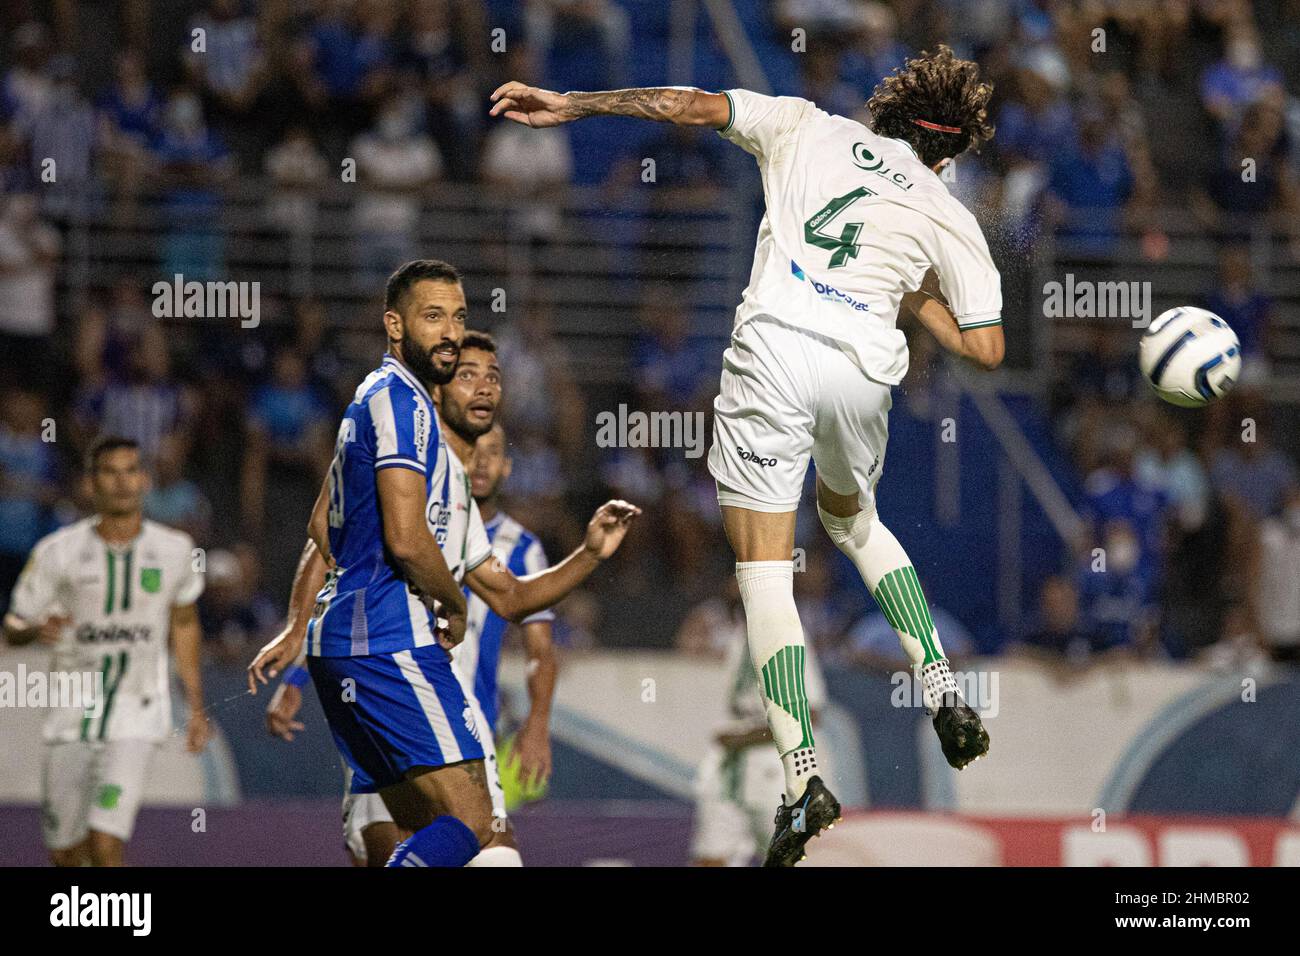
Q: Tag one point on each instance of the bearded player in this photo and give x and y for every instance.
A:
(856, 220)
(377, 596)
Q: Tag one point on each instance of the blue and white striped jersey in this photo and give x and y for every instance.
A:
(365, 606)
(479, 654)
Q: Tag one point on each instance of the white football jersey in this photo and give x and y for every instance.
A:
(853, 221)
(457, 526)
(120, 600)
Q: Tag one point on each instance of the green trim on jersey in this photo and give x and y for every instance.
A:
(731, 113)
(111, 689)
(126, 579)
(979, 325)
(112, 581)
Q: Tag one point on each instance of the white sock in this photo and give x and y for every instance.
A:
(888, 573)
(776, 647)
(497, 856)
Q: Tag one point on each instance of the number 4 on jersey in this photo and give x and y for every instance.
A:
(844, 246)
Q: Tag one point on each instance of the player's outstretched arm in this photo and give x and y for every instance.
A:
(983, 346)
(516, 598)
(286, 647)
(680, 105)
(533, 742)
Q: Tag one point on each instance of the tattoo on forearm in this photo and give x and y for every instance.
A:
(663, 104)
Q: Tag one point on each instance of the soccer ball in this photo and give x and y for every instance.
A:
(1190, 356)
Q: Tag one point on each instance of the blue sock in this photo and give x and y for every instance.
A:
(444, 842)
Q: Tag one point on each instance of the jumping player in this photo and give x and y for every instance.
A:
(856, 220)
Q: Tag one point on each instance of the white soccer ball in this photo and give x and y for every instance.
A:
(1190, 356)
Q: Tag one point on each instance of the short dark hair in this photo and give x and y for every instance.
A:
(478, 340)
(103, 445)
(939, 89)
(400, 282)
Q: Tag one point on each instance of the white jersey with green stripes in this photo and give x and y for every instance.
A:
(853, 221)
(119, 600)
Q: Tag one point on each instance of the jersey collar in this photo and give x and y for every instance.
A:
(392, 363)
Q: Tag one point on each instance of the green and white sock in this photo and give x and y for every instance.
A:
(892, 581)
(776, 647)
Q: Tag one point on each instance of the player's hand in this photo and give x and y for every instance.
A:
(275, 656)
(449, 629)
(198, 732)
(282, 711)
(608, 527)
(530, 106)
(51, 628)
(532, 749)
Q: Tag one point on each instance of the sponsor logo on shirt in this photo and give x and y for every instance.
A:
(828, 292)
(114, 634)
(864, 158)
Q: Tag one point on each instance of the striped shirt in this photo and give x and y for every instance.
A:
(365, 606)
(479, 654)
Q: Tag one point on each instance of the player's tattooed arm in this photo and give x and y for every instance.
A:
(682, 106)
(516, 598)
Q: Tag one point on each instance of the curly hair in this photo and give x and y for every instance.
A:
(939, 89)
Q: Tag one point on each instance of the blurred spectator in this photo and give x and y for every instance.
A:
(130, 124)
(145, 403)
(26, 85)
(173, 499)
(229, 70)
(297, 170)
(444, 50)
(1125, 514)
(1254, 473)
(587, 38)
(394, 162)
(1059, 630)
(352, 55)
(1238, 199)
(235, 614)
(288, 427)
(874, 49)
(62, 132)
(1117, 599)
(1166, 463)
(29, 251)
(1276, 592)
(1241, 78)
(28, 488)
(193, 163)
(1238, 300)
(670, 369)
(873, 643)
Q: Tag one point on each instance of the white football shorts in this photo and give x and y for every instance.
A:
(735, 792)
(787, 395)
(92, 785)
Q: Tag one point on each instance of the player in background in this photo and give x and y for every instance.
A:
(107, 594)
(856, 221)
(380, 607)
(467, 407)
(520, 551)
(734, 782)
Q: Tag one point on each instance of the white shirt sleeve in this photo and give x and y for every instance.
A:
(37, 589)
(967, 276)
(760, 123)
(477, 546)
(189, 578)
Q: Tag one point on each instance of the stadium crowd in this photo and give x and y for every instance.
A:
(1198, 515)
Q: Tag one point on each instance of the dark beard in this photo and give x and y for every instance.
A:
(421, 363)
(458, 422)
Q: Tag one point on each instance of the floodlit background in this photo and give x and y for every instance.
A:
(1147, 714)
